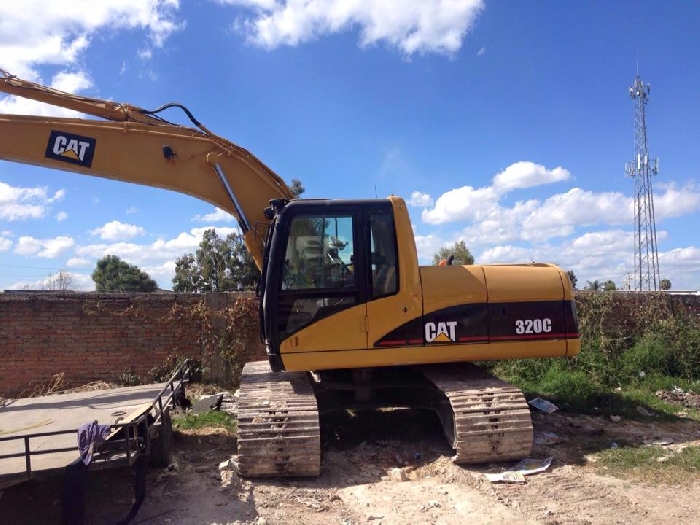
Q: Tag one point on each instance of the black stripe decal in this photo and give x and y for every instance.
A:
(483, 322)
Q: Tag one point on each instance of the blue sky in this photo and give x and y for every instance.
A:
(505, 124)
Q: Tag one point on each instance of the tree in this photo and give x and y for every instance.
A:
(244, 271)
(217, 265)
(114, 275)
(297, 188)
(187, 276)
(609, 286)
(461, 254)
(58, 281)
(594, 286)
(572, 278)
(665, 284)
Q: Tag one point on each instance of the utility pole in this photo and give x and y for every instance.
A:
(641, 168)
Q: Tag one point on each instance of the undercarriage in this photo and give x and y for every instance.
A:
(484, 419)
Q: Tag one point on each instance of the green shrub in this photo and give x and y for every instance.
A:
(129, 378)
(569, 385)
(171, 364)
(650, 356)
(680, 338)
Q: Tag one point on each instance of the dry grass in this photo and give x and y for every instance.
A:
(56, 385)
(44, 388)
(652, 464)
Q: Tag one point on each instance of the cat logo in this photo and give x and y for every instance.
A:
(70, 148)
(441, 332)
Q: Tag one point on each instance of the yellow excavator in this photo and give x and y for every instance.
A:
(349, 318)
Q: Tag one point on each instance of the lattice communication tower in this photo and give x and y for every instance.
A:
(641, 168)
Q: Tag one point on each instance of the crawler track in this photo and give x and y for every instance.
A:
(278, 426)
(484, 419)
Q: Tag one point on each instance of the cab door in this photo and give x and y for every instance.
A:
(394, 304)
(321, 304)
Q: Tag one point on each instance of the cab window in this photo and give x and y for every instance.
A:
(319, 254)
(383, 256)
(318, 274)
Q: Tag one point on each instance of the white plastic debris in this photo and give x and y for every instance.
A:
(397, 474)
(546, 438)
(526, 467)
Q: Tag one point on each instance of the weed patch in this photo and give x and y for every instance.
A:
(210, 419)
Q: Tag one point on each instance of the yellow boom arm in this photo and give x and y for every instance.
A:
(134, 145)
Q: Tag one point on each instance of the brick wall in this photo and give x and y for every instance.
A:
(89, 337)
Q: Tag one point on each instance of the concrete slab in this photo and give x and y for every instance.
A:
(26, 416)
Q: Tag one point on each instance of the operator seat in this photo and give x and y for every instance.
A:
(384, 281)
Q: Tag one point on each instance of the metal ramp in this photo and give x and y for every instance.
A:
(38, 436)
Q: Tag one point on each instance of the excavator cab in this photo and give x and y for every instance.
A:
(326, 258)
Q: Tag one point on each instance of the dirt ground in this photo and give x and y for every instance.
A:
(359, 483)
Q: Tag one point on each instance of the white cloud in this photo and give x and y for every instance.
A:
(469, 203)
(61, 216)
(81, 281)
(218, 215)
(5, 243)
(117, 231)
(77, 262)
(597, 255)
(162, 273)
(58, 196)
(145, 54)
(675, 201)
(412, 26)
(506, 254)
(537, 221)
(132, 210)
(525, 174)
(46, 248)
(580, 207)
(36, 32)
(150, 254)
(481, 52)
(682, 266)
(498, 226)
(421, 200)
(428, 245)
(462, 204)
(609, 241)
(17, 203)
(688, 255)
(20, 211)
(71, 82)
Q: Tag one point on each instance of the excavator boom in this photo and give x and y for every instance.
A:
(133, 145)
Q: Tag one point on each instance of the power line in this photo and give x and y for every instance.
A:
(56, 268)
